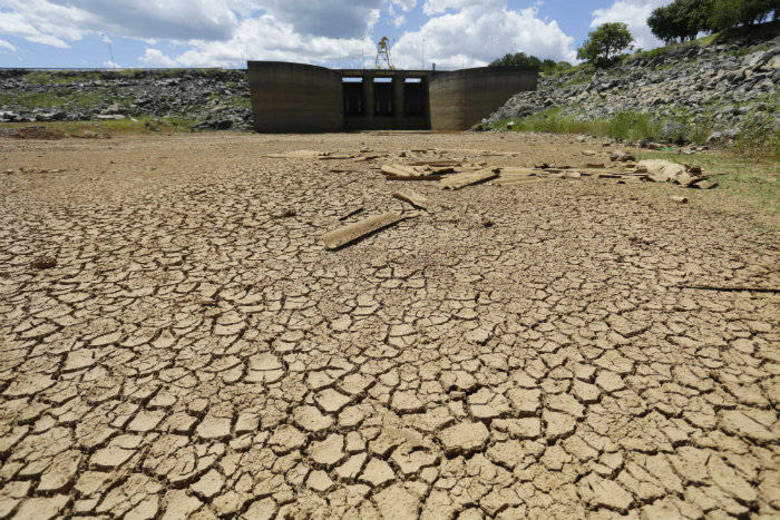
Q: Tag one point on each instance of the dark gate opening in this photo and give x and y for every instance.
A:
(353, 97)
(383, 97)
(414, 97)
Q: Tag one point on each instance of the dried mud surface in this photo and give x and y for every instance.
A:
(176, 342)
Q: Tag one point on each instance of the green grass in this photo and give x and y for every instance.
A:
(141, 126)
(758, 139)
(751, 181)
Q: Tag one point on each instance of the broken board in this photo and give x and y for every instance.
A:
(461, 180)
(413, 198)
(400, 172)
(354, 232)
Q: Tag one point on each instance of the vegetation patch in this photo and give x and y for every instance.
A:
(758, 139)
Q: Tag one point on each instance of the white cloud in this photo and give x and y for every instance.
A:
(329, 18)
(111, 65)
(633, 13)
(7, 45)
(265, 38)
(405, 5)
(432, 7)
(156, 58)
(477, 33)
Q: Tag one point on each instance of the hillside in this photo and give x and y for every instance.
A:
(203, 98)
(711, 90)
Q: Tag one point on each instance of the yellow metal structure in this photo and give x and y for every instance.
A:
(383, 55)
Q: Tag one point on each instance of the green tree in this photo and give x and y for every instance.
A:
(519, 59)
(730, 13)
(606, 44)
(683, 19)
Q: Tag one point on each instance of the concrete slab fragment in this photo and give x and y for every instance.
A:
(354, 232)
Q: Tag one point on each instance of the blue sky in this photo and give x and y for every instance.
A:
(342, 33)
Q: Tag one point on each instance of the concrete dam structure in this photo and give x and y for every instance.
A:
(294, 97)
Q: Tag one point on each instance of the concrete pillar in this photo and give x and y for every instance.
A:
(368, 98)
(398, 100)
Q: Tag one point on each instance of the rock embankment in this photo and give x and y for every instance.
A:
(721, 88)
(211, 98)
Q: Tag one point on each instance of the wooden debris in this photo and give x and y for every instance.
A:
(359, 230)
(681, 200)
(461, 180)
(352, 214)
(401, 172)
(413, 198)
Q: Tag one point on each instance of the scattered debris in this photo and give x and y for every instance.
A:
(354, 232)
(595, 165)
(486, 222)
(352, 214)
(400, 172)
(589, 153)
(461, 180)
(44, 262)
(659, 170)
(681, 200)
(288, 213)
(413, 198)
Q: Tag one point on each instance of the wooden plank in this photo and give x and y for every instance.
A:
(354, 232)
(413, 198)
(400, 172)
(461, 180)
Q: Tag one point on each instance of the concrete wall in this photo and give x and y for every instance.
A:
(398, 121)
(292, 97)
(461, 99)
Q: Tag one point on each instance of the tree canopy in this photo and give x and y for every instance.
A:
(685, 19)
(521, 59)
(606, 44)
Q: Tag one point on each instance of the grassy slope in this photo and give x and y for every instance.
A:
(759, 140)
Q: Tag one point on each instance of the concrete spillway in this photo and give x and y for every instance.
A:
(292, 97)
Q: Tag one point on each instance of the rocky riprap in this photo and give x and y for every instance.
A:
(216, 99)
(724, 88)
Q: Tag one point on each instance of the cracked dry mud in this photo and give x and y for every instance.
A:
(197, 353)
